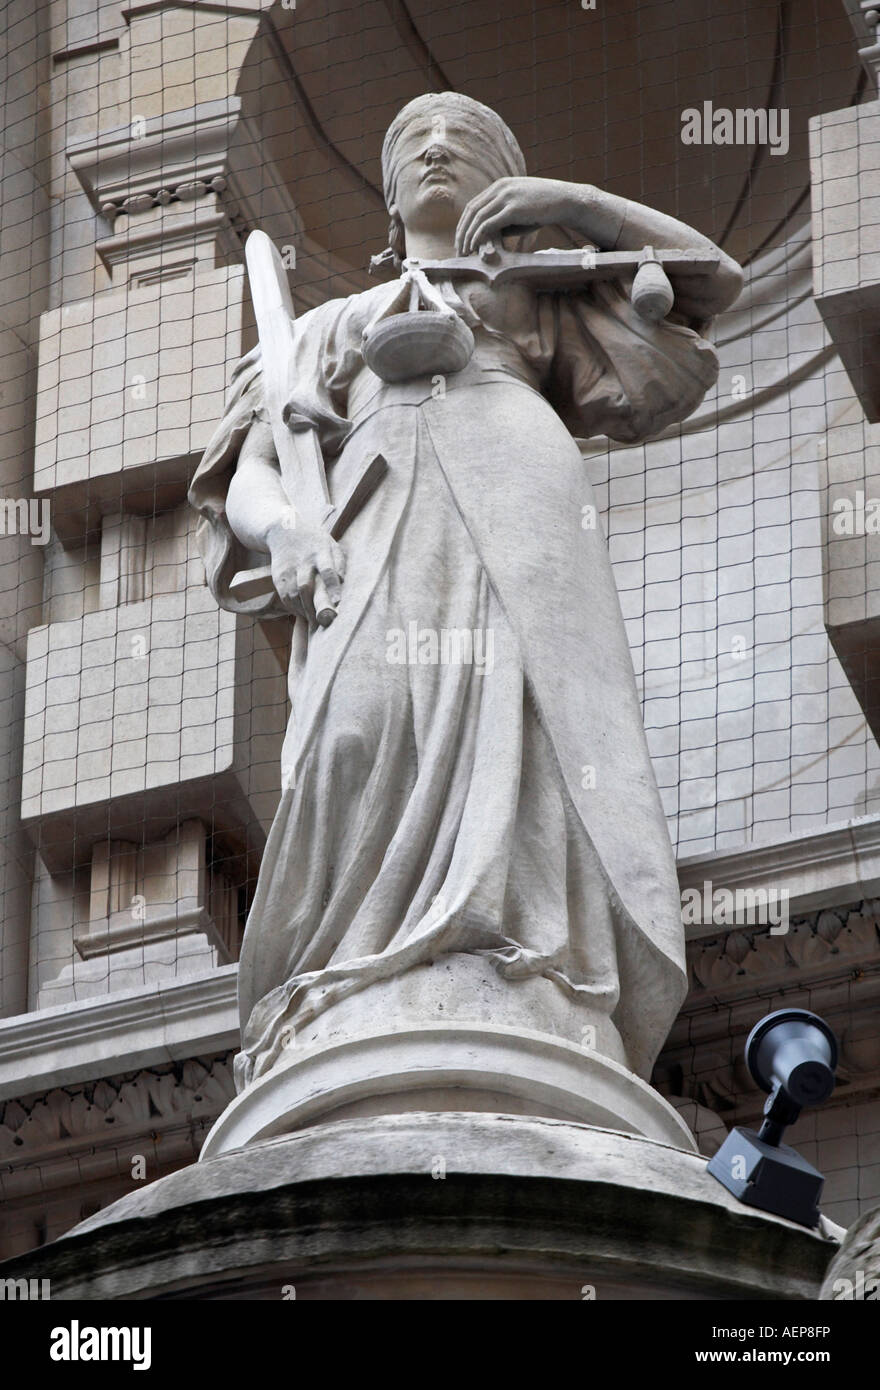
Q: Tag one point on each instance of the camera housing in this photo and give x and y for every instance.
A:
(792, 1055)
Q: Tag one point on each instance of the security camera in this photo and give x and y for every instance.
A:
(792, 1055)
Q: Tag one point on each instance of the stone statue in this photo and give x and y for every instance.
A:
(854, 1273)
(470, 826)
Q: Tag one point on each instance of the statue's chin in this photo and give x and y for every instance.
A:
(438, 198)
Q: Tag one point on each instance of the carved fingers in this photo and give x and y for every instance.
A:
(308, 569)
(508, 206)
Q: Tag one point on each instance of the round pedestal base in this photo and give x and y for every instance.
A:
(468, 1206)
(431, 1067)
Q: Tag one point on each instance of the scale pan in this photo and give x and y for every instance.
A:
(426, 343)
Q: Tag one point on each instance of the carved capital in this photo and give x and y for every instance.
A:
(201, 175)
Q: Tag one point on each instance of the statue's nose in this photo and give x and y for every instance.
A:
(435, 153)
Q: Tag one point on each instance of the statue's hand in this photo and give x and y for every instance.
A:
(512, 205)
(301, 555)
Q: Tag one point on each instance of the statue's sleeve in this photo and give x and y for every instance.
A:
(615, 374)
(321, 360)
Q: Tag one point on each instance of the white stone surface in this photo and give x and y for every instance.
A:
(438, 1206)
(808, 762)
(154, 691)
(836, 864)
(445, 1067)
(488, 846)
(107, 1036)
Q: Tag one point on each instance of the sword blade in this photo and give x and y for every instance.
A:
(302, 465)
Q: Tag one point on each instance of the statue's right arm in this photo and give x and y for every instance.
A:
(263, 518)
(256, 503)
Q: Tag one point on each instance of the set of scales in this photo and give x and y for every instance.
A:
(418, 334)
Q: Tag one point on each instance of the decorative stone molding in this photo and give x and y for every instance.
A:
(828, 945)
(172, 242)
(188, 187)
(85, 50)
(142, 894)
(458, 1067)
(133, 168)
(139, 1101)
(122, 936)
(828, 962)
(161, 197)
(821, 868)
(120, 1132)
(728, 1090)
(120, 1033)
(171, 165)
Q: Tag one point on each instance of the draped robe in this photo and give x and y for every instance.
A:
(504, 808)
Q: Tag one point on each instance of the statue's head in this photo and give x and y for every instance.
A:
(439, 152)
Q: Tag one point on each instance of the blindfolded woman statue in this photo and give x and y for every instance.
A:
(470, 826)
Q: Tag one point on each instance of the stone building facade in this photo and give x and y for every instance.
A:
(142, 729)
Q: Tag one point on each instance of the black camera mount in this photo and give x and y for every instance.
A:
(792, 1055)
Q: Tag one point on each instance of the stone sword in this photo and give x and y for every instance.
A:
(295, 438)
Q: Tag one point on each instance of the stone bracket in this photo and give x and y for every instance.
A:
(196, 177)
(845, 181)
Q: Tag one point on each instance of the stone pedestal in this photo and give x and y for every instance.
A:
(442, 1067)
(451, 1036)
(434, 1207)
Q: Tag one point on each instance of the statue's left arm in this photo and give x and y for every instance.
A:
(516, 205)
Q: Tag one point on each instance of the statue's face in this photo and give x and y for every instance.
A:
(436, 175)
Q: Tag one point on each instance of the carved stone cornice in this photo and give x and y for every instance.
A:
(78, 1133)
(194, 177)
(821, 949)
(167, 926)
(822, 868)
(201, 173)
(196, 1015)
(137, 1100)
(182, 155)
(828, 962)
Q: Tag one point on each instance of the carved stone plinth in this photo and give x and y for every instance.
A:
(443, 1066)
(437, 1206)
(451, 1036)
